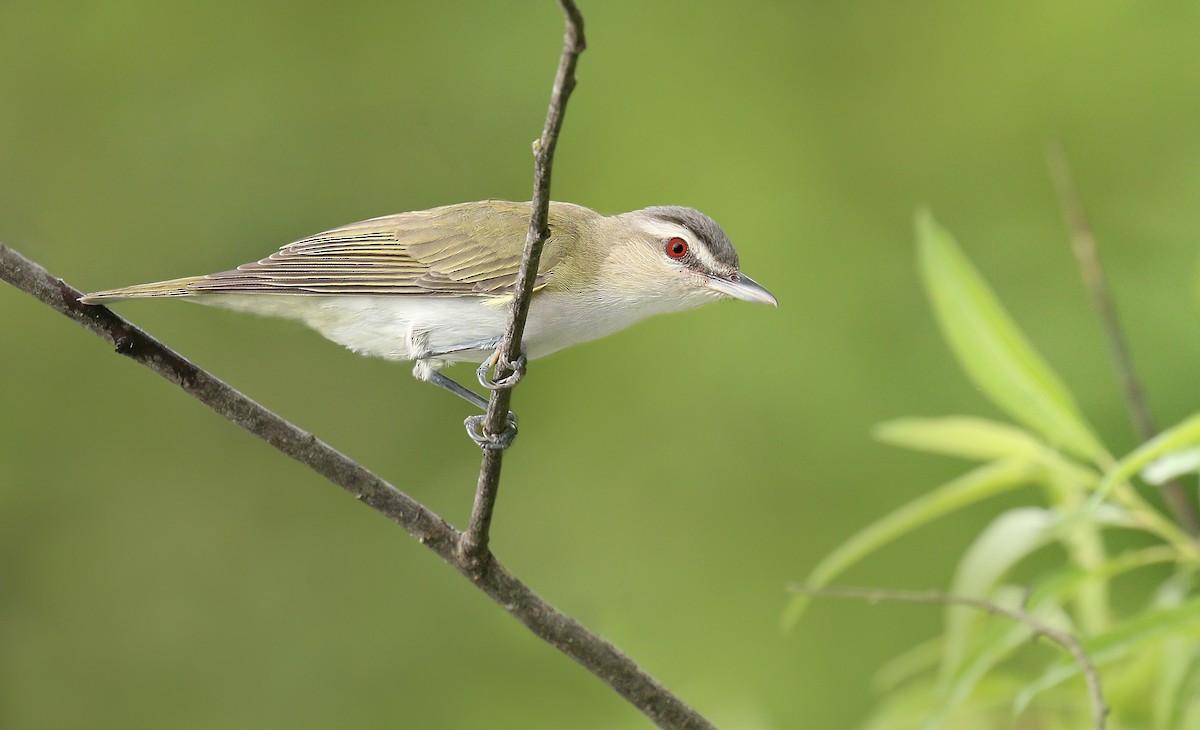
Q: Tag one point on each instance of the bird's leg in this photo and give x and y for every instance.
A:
(458, 389)
(481, 345)
(515, 369)
(424, 370)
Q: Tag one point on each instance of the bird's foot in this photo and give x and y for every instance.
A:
(497, 363)
(476, 429)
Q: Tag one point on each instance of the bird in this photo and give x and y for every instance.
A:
(435, 286)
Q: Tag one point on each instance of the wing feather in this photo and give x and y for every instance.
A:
(458, 250)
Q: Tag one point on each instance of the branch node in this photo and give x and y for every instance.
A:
(511, 348)
(468, 552)
(474, 557)
(598, 656)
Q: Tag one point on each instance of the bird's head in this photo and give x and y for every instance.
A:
(678, 253)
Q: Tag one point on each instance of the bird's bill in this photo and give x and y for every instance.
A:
(740, 286)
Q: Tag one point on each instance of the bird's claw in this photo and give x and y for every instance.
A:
(476, 429)
(516, 371)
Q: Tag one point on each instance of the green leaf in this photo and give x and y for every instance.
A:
(993, 352)
(1172, 466)
(1180, 665)
(1119, 642)
(1005, 637)
(1010, 537)
(1067, 581)
(1002, 638)
(968, 437)
(989, 709)
(1179, 436)
(982, 439)
(974, 486)
(908, 665)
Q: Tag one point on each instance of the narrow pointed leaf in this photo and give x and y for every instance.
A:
(1120, 641)
(1007, 540)
(1045, 602)
(982, 439)
(1179, 666)
(995, 354)
(1179, 436)
(968, 437)
(974, 486)
(1172, 466)
(904, 667)
(1002, 637)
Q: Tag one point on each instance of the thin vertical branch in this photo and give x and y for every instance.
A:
(1039, 627)
(466, 551)
(1083, 244)
(598, 656)
(475, 539)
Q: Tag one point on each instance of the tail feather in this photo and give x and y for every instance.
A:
(172, 288)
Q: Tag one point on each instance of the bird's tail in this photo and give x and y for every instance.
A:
(173, 288)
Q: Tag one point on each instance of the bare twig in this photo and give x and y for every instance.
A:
(1083, 244)
(1039, 627)
(566, 634)
(475, 539)
(467, 551)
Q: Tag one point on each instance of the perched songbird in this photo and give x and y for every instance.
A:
(434, 286)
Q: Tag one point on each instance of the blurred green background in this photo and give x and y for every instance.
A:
(161, 568)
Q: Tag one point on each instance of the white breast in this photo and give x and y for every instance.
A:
(407, 328)
(558, 320)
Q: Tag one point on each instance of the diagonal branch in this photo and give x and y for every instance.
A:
(1083, 244)
(1065, 639)
(475, 539)
(566, 634)
(466, 551)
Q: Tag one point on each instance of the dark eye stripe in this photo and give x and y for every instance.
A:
(705, 231)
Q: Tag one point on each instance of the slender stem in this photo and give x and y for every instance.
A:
(1084, 542)
(1151, 519)
(566, 634)
(461, 550)
(475, 539)
(1064, 639)
(1083, 244)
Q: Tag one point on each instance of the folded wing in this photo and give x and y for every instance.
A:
(457, 250)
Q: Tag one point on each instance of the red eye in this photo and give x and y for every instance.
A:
(677, 248)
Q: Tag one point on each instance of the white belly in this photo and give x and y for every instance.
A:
(394, 328)
(411, 328)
